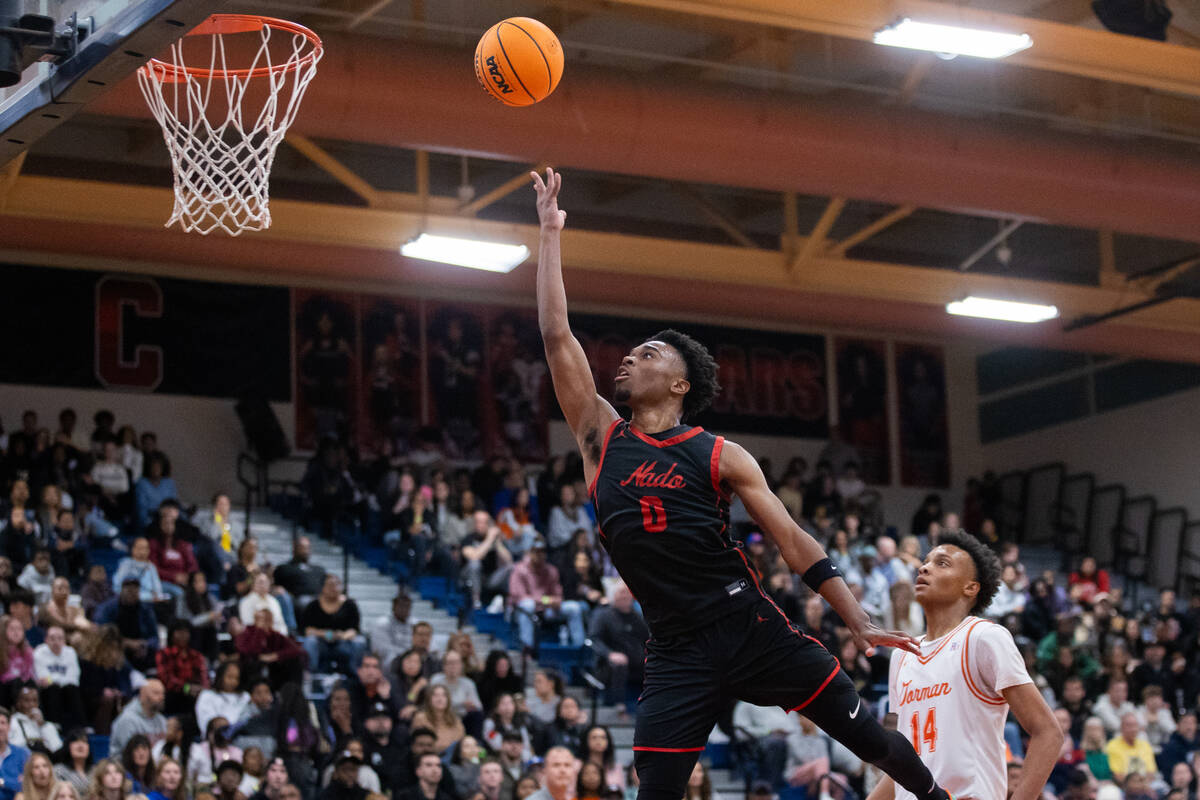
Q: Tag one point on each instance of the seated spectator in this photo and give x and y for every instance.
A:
(58, 610)
(812, 755)
(174, 743)
(1180, 780)
(1114, 704)
(37, 779)
(254, 768)
(1153, 671)
(139, 766)
(135, 622)
(769, 728)
(1074, 700)
(535, 592)
(28, 728)
(497, 678)
(464, 766)
(21, 537)
(202, 613)
(566, 518)
(1137, 787)
(547, 690)
(331, 630)
(618, 633)
(582, 581)
(1155, 718)
(110, 477)
(344, 783)
(598, 749)
(104, 675)
(94, 526)
(229, 780)
(56, 670)
(559, 780)
(565, 729)
(422, 642)
(512, 762)
(410, 683)
(299, 578)
(265, 651)
(367, 688)
(849, 484)
(486, 561)
(504, 719)
(1088, 581)
(1009, 598)
(109, 781)
(1130, 752)
(589, 782)
(903, 612)
(182, 669)
(437, 714)
(367, 778)
(225, 698)
(12, 760)
(1182, 745)
(259, 721)
(16, 659)
(260, 598)
(138, 568)
(96, 591)
(143, 716)
(214, 524)
(172, 557)
(50, 503)
(206, 758)
(239, 579)
(491, 779)
(67, 553)
(381, 750)
(168, 781)
(74, 762)
(152, 489)
(275, 780)
(392, 633)
(464, 696)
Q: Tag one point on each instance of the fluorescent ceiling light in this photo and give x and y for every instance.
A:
(1007, 310)
(490, 256)
(951, 39)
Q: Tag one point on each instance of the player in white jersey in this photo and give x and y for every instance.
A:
(952, 700)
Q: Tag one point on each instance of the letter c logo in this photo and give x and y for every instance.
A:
(144, 372)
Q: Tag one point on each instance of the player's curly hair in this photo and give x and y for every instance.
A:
(701, 370)
(987, 565)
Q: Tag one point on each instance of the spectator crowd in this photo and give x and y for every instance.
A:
(215, 673)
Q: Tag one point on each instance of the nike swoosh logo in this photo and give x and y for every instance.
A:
(854, 713)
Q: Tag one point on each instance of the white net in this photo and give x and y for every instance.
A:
(222, 122)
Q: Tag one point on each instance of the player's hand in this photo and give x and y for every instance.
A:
(551, 217)
(872, 636)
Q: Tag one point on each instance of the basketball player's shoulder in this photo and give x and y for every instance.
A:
(991, 634)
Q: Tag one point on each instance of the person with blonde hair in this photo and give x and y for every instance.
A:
(63, 790)
(168, 781)
(109, 781)
(38, 778)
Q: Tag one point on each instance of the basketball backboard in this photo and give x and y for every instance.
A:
(106, 41)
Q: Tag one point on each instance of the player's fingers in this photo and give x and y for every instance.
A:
(537, 182)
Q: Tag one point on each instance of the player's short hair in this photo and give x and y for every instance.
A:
(701, 370)
(987, 565)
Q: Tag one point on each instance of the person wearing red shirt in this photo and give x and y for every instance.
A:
(172, 557)
(182, 669)
(1088, 581)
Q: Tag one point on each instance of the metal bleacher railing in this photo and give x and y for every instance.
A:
(1149, 547)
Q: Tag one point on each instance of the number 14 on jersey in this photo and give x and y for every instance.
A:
(926, 733)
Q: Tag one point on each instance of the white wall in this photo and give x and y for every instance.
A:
(1152, 448)
(201, 435)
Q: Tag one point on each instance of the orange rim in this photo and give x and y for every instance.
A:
(221, 24)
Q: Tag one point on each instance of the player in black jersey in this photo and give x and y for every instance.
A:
(661, 491)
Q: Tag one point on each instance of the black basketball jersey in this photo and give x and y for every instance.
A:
(664, 520)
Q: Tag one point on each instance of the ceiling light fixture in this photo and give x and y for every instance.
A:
(952, 39)
(1006, 310)
(490, 256)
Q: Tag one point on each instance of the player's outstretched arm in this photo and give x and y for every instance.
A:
(741, 474)
(1045, 739)
(884, 790)
(586, 412)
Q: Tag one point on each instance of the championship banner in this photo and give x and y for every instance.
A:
(136, 333)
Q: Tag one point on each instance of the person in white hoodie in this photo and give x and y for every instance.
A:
(56, 670)
(28, 728)
(38, 576)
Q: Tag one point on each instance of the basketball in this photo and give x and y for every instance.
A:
(519, 61)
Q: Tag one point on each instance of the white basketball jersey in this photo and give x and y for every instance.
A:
(949, 705)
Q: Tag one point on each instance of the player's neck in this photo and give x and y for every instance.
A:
(655, 420)
(940, 620)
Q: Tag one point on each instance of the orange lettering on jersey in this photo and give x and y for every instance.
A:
(645, 476)
(908, 695)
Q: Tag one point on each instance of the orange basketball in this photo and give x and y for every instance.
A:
(519, 61)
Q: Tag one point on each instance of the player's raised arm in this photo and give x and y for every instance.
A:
(803, 554)
(586, 412)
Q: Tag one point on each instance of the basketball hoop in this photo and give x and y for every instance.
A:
(222, 123)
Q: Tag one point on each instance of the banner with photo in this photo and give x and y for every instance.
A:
(862, 399)
(392, 382)
(327, 365)
(924, 428)
(771, 383)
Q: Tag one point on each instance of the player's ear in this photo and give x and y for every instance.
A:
(681, 386)
(971, 590)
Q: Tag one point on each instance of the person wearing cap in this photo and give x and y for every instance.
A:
(380, 750)
(535, 591)
(344, 783)
(135, 620)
